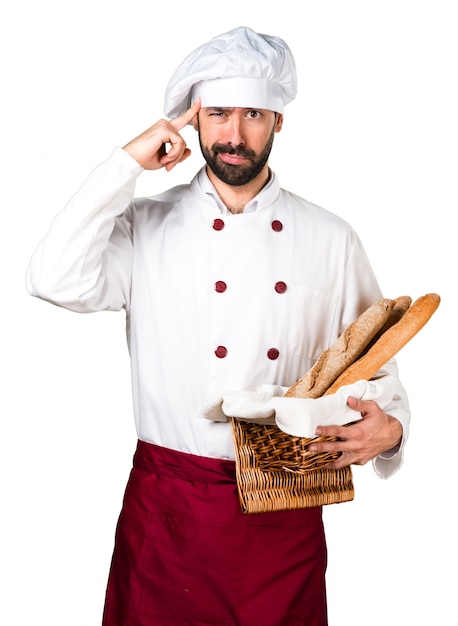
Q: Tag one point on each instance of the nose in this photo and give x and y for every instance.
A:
(235, 135)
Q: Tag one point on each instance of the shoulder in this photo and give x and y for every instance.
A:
(163, 201)
(313, 213)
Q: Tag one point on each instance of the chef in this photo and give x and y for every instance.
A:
(228, 282)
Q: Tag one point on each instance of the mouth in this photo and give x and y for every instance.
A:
(233, 159)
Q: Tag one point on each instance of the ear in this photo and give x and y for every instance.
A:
(278, 122)
(195, 121)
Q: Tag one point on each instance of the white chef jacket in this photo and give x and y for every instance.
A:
(214, 301)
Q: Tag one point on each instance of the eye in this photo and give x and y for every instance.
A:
(254, 114)
(217, 113)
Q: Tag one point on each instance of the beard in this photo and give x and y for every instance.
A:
(236, 175)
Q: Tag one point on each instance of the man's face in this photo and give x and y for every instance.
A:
(236, 142)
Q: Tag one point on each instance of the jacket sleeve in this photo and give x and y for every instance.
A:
(84, 262)
(389, 462)
(361, 280)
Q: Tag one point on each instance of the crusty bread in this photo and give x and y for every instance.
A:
(341, 354)
(401, 305)
(390, 342)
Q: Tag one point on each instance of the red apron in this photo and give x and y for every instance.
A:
(186, 555)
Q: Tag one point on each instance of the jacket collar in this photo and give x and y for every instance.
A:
(201, 184)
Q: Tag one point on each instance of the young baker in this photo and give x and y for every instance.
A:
(227, 283)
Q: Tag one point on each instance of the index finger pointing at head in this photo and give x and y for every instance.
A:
(180, 122)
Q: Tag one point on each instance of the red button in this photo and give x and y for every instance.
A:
(221, 352)
(280, 287)
(273, 354)
(220, 286)
(277, 226)
(218, 224)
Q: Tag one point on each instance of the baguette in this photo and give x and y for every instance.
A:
(413, 320)
(341, 354)
(401, 305)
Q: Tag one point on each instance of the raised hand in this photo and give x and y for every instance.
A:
(150, 148)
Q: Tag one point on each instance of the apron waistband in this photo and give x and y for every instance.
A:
(175, 464)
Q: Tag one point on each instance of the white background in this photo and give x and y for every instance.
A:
(372, 136)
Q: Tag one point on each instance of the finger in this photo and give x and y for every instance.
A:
(355, 403)
(352, 402)
(329, 446)
(183, 120)
(177, 152)
(169, 165)
(343, 460)
(364, 407)
(332, 431)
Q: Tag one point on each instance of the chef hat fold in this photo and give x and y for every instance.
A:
(240, 68)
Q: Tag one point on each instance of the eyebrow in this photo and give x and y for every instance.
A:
(229, 109)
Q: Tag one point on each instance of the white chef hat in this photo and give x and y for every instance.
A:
(240, 68)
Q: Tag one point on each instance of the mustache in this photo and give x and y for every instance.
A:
(228, 148)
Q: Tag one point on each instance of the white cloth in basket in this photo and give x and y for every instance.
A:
(266, 404)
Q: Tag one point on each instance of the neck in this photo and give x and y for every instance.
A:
(236, 198)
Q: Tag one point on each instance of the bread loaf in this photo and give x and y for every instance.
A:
(400, 307)
(390, 342)
(341, 354)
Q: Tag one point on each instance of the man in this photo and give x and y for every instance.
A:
(228, 283)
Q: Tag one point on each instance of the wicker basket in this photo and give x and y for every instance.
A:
(275, 471)
(276, 450)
